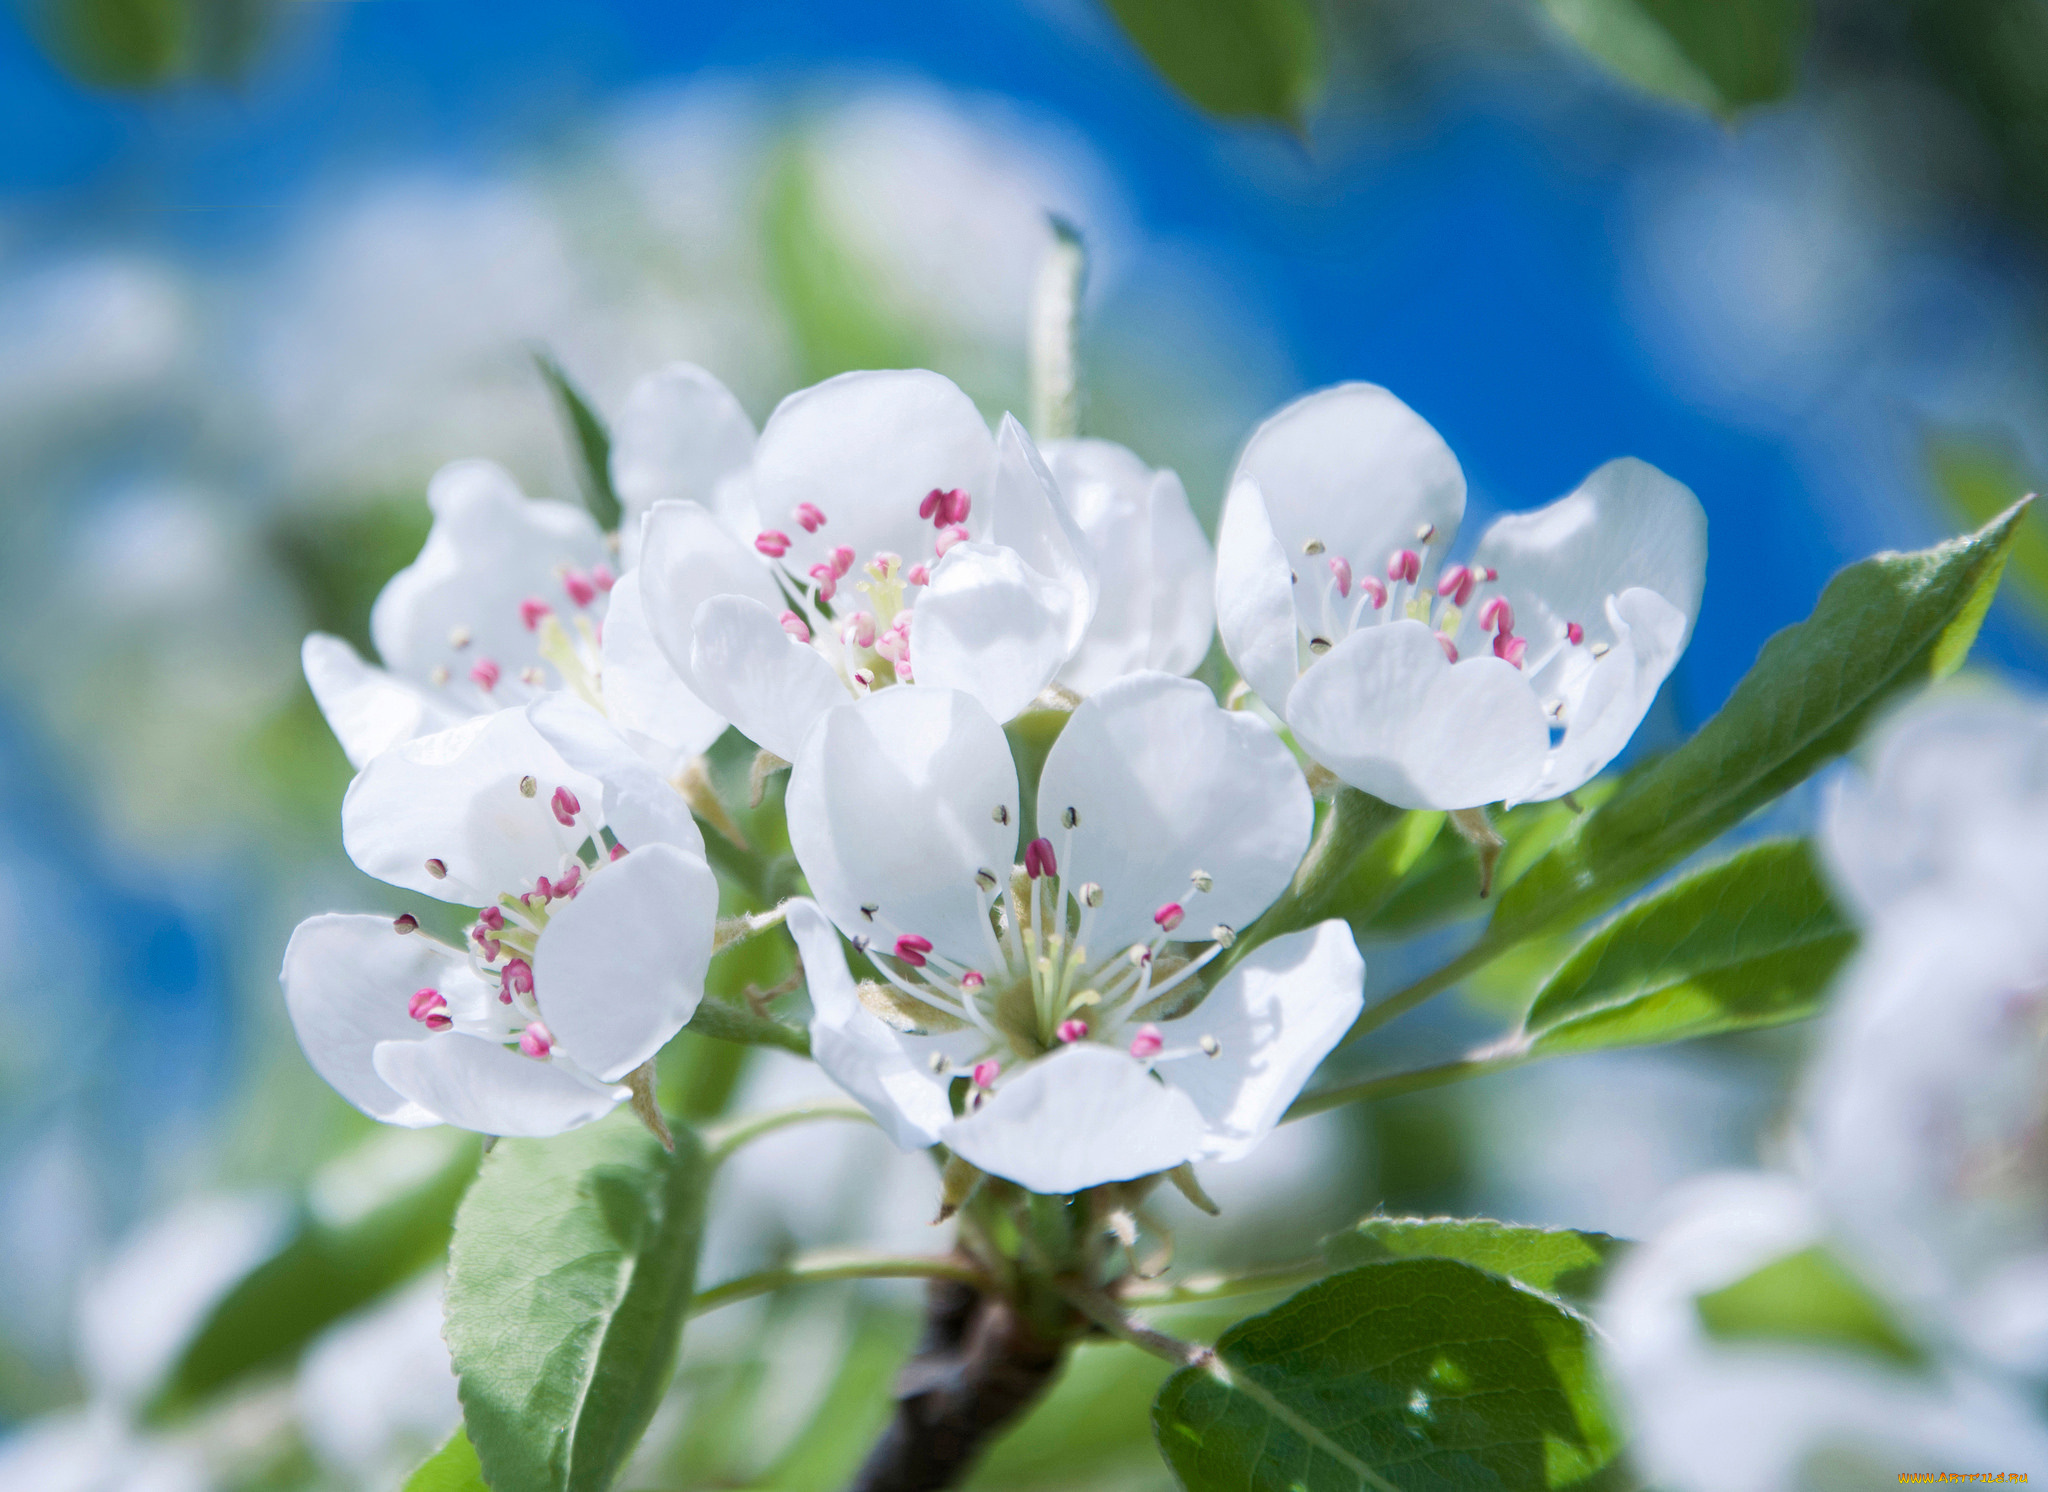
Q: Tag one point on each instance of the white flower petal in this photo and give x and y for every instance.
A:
(491, 547)
(1607, 698)
(1389, 714)
(454, 797)
(679, 434)
(620, 967)
(687, 557)
(893, 804)
(1275, 1017)
(638, 805)
(1356, 469)
(368, 709)
(992, 626)
(1108, 491)
(770, 686)
(865, 448)
(476, 1084)
(1078, 1118)
(346, 980)
(857, 1051)
(1029, 514)
(643, 694)
(1255, 598)
(1164, 782)
(1183, 581)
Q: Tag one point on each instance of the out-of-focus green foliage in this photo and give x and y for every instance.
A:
(590, 443)
(132, 44)
(1718, 55)
(452, 1468)
(1237, 59)
(1807, 1297)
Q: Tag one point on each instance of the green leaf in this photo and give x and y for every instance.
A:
(1978, 476)
(1807, 1297)
(1408, 1374)
(1238, 59)
(1361, 851)
(593, 443)
(1752, 941)
(568, 1281)
(452, 1468)
(1883, 625)
(1718, 55)
(1443, 886)
(371, 1221)
(1556, 1261)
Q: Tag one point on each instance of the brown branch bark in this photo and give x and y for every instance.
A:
(978, 1366)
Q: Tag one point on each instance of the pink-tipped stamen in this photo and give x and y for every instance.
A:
(544, 889)
(958, 506)
(885, 563)
(601, 576)
(912, 949)
(1372, 587)
(947, 538)
(425, 1002)
(1406, 565)
(566, 806)
(859, 629)
(810, 517)
(569, 882)
(484, 674)
(932, 506)
(438, 1023)
(1340, 571)
(772, 542)
(972, 979)
(1038, 859)
(1448, 582)
(1169, 916)
(582, 590)
(1574, 633)
(842, 560)
(1450, 648)
(518, 976)
(536, 1041)
(917, 575)
(532, 609)
(492, 918)
(795, 626)
(1497, 615)
(1510, 647)
(1071, 1031)
(827, 579)
(986, 1072)
(618, 852)
(1149, 1042)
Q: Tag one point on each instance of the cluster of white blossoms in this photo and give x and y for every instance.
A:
(1920, 1166)
(867, 589)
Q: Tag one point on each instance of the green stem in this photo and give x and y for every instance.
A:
(1105, 1313)
(837, 1265)
(724, 1021)
(722, 1141)
(1392, 1085)
(1199, 1288)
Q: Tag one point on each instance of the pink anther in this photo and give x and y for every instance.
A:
(986, 1071)
(917, 575)
(1372, 587)
(536, 1041)
(618, 852)
(933, 506)
(1458, 583)
(532, 609)
(827, 579)
(772, 542)
(484, 674)
(947, 538)
(1038, 859)
(1406, 565)
(1497, 615)
(405, 922)
(566, 806)
(1071, 1031)
(582, 590)
(885, 563)
(859, 630)
(492, 918)
(1340, 571)
(794, 625)
(842, 559)
(425, 1002)
(912, 949)
(810, 517)
(601, 576)
(1491, 575)
(1574, 633)
(1169, 916)
(438, 1023)
(569, 882)
(972, 979)
(544, 889)
(1510, 647)
(958, 505)
(1148, 1043)
(1450, 648)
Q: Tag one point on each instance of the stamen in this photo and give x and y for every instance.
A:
(425, 1002)
(438, 869)
(579, 587)
(912, 949)
(532, 677)
(937, 1062)
(1511, 648)
(986, 1071)
(868, 910)
(1202, 881)
(1574, 633)
(1424, 534)
(933, 507)
(1169, 916)
(528, 786)
(1223, 934)
(458, 638)
(566, 806)
(810, 516)
(569, 882)
(972, 979)
(917, 575)
(885, 563)
(1090, 894)
(1497, 615)
(484, 674)
(618, 852)
(772, 542)
(1600, 650)
(1371, 586)
(601, 576)
(405, 922)
(1038, 856)
(439, 674)
(947, 538)
(1149, 1042)
(842, 560)
(1319, 645)
(1340, 570)
(958, 506)
(532, 609)
(1312, 547)
(986, 880)
(1001, 814)
(859, 630)
(1450, 648)
(438, 1023)
(794, 625)
(536, 1041)
(1458, 583)
(1071, 1031)
(1406, 565)
(492, 918)
(1070, 818)
(827, 579)
(1210, 1046)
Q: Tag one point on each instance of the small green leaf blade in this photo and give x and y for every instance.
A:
(452, 1468)
(1811, 1299)
(592, 443)
(1419, 1375)
(1719, 55)
(1752, 941)
(1883, 625)
(1557, 1261)
(569, 1277)
(1236, 59)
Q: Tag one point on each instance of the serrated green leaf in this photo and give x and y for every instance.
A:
(1752, 941)
(1881, 626)
(1408, 1375)
(568, 1280)
(590, 443)
(1238, 59)
(452, 1468)
(1807, 1297)
(372, 1220)
(1717, 55)
(1442, 887)
(1557, 1261)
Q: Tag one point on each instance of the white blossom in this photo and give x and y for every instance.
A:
(1066, 992)
(588, 951)
(1515, 675)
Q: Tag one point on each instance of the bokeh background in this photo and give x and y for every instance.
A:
(264, 267)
